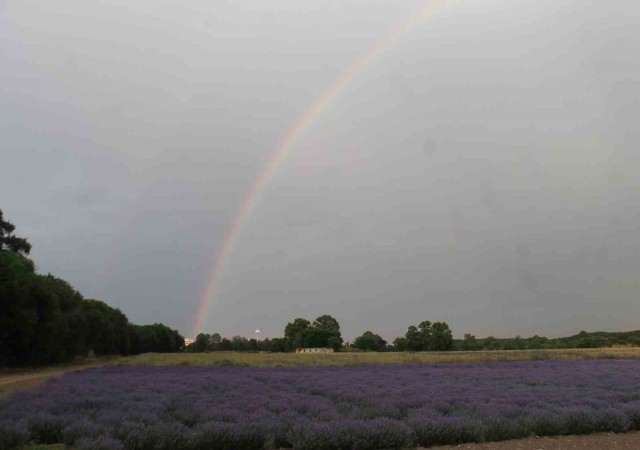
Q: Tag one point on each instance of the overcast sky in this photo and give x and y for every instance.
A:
(483, 170)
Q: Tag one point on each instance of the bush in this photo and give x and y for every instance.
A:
(389, 433)
(46, 428)
(13, 435)
(503, 428)
(99, 443)
(227, 436)
(441, 430)
(632, 411)
(82, 428)
(312, 436)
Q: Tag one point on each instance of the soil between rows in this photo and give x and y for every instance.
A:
(597, 441)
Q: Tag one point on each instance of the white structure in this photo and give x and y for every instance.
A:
(314, 350)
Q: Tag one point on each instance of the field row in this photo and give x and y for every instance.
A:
(361, 407)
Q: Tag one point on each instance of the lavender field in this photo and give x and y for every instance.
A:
(362, 407)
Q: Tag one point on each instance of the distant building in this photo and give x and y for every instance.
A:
(314, 350)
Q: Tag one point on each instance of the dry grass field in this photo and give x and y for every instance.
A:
(355, 358)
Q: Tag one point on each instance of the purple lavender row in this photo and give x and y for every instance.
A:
(363, 407)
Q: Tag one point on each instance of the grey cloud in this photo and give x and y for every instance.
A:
(483, 170)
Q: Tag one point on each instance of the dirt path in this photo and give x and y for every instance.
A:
(599, 441)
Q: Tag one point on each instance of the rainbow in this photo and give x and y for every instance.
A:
(311, 114)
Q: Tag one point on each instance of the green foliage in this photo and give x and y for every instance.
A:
(9, 242)
(401, 344)
(370, 341)
(293, 332)
(157, 338)
(316, 337)
(240, 343)
(278, 345)
(43, 320)
(328, 323)
(599, 339)
(441, 337)
(225, 345)
(110, 329)
(324, 332)
(426, 337)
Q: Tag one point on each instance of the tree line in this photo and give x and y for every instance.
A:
(324, 332)
(44, 320)
(598, 339)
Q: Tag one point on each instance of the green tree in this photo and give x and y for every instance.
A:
(277, 345)
(10, 242)
(18, 308)
(239, 343)
(401, 344)
(425, 336)
(313, 337)
(370, 341)
(413, 339)
(490, 343)
(328, 323)
(225, 345)
(593, 342)
(202, 343)
(293, 332)
(109, 329)
(442, 338)
(331, 325)
(215, 341)
(155, 338)
(469, 343)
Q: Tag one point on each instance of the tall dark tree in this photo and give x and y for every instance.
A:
(425, 335)
(18, 308)
(157, 338)
(109, 329)
(313, 337)
(370, 341)
(401, 344)
(441, 338)
(329, 324)
(202, 343)
(277, 345)
(412, 339)
(293, 332)
(8, 241)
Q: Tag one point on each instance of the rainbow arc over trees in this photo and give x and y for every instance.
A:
(279, 154)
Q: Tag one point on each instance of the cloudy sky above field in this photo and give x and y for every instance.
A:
(483, 169)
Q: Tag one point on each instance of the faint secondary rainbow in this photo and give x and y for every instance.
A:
(294, 134)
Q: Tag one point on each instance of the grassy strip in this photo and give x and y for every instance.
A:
(353, 358)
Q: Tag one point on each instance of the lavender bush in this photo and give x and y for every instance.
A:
(357, 408)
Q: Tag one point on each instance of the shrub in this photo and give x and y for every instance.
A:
(441, 430)
(227, 436)
(313, 436)
(46, 428)
(99, 443)
(82, 428)
(13, 435)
